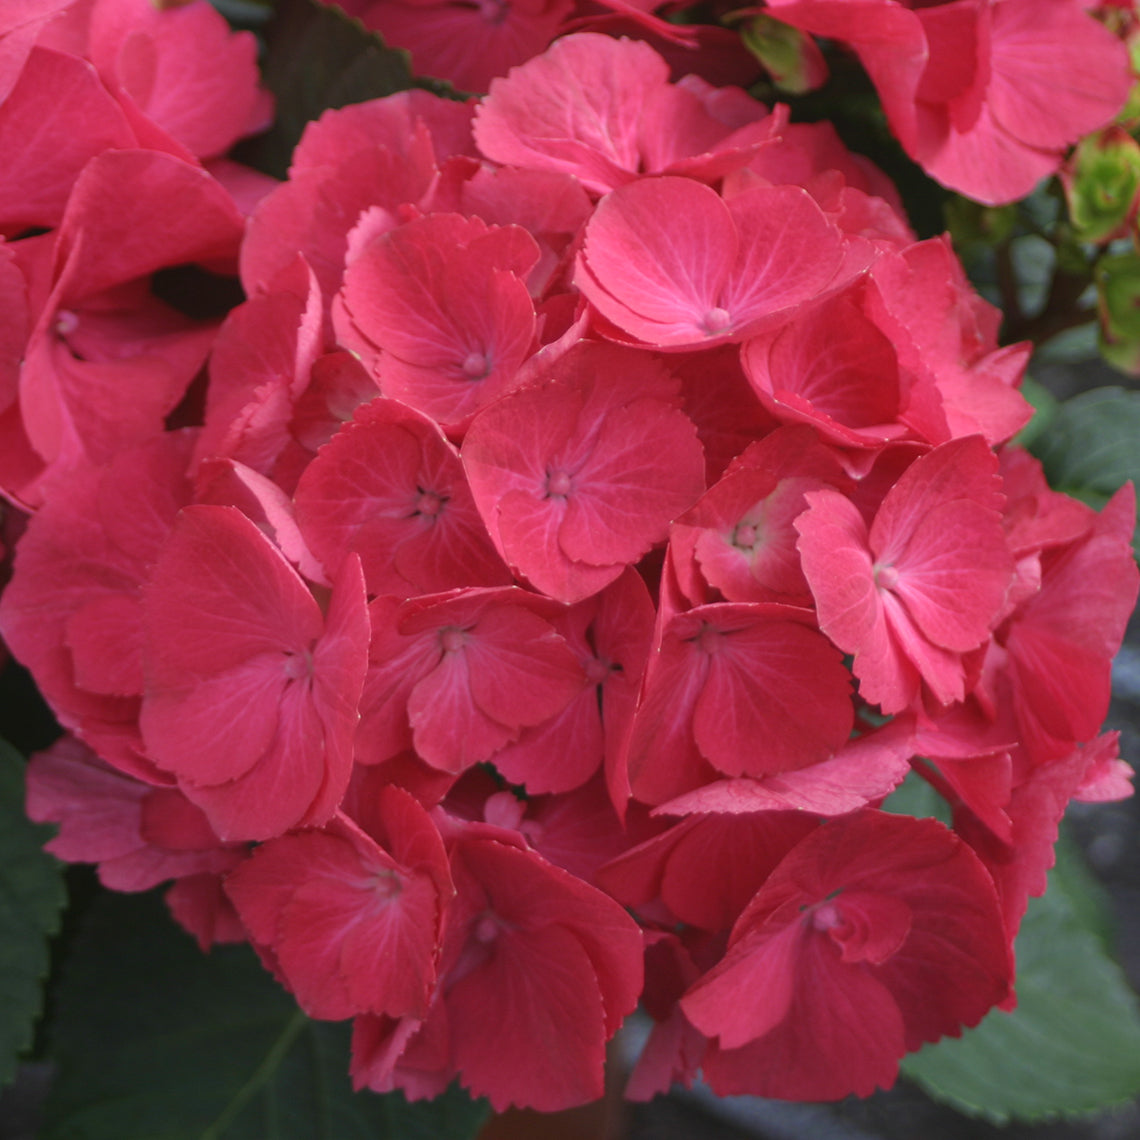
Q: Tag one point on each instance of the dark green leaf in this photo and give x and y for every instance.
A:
(31, 898)
(1091, 447)
(318, 58)
(245, 13)
(157, 1041)
(1072, 1045)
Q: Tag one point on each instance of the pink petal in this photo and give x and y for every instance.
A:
(444, 299)
(57, 117)
(776, 696)
(576, 108)
(521, 671)
(750, 993)
(450, 730)
(788, 253)
(861, 773)
(390, 487)
(107, 240)
(222, 595)
(216, 728)
(625, 496)
(661, 284)
(539, 989)
(842, 1034)
(1057, 73)
(940, 528)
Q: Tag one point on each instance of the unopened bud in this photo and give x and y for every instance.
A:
(1118, 301)
(1102, 179)
(790, 56)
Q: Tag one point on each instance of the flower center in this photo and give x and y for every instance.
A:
(745, 536)
(298, 665)
(385, 885)
(886, 577)
(486, 929)
(558, 484)
(710, 639)
(494, 11)
(826, 917)
(717, 321)
(475, 366)
(452, 640)
(429, 503)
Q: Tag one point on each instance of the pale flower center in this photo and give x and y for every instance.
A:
(452, 640)
(475, 366)
(886, 577)
(710, 640)
(298, 665)
(494, 11)
(745, 536)
(717, 321)
(486, 929)
(429, 503)
(826, 917)
(558, 483)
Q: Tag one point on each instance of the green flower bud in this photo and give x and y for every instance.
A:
(1101, 182)
(791, 57)
(1118, 302)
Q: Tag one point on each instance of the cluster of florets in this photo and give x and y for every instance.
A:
(597, 507)
(985, 94)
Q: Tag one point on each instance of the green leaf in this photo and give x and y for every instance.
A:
(915, 797)
(1090, 449)
(156, 1041)
(1091, 903)
(319, 58)
(32, 896)
(1072, 1045)
(1045, 406)
(1076, 345)
(1034, 261)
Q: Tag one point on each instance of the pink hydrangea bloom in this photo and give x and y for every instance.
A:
(570, 458)
(984, 94)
